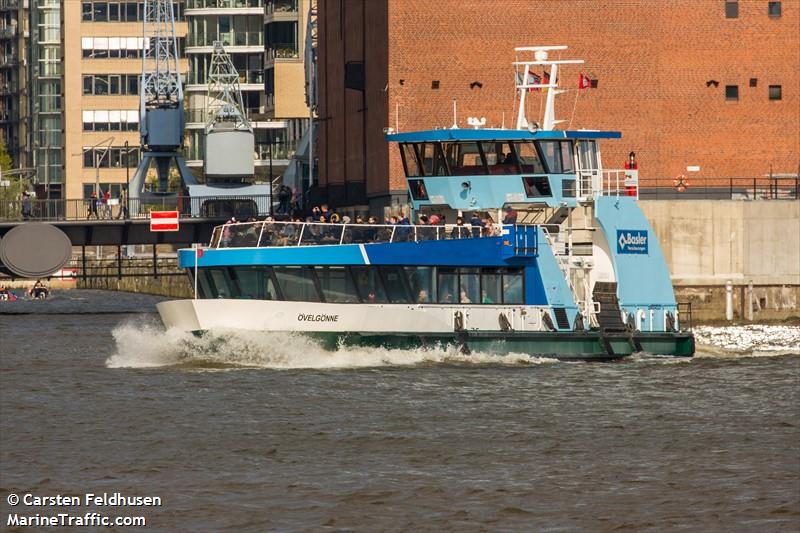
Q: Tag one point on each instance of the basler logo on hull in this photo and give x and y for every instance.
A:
(631, 241)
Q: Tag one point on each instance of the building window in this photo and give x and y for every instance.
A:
(731, 10)
(775, 92)
(774, 9)
(731, 92)
(121, 11)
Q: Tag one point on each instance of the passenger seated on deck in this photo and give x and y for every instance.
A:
(39, 291)
(422, 297)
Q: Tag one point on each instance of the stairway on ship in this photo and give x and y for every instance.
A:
(610, 317)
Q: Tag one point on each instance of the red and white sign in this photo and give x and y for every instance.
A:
(66, 274)
(163, 221)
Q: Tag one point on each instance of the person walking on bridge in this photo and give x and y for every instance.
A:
(26, 206)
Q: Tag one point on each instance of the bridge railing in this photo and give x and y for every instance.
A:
(239, 206)
(269, 233)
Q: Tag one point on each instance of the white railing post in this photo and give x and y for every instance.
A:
(344, 228)
(300, 238)
(261, 234)
(391, 237)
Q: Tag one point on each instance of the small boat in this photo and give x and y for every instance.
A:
(549, 253)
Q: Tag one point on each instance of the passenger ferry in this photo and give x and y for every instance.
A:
(575, 271)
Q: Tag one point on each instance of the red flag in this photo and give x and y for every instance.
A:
(584, 82)
(545, 79)
(199, 252)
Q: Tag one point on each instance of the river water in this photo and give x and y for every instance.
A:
(248, 432)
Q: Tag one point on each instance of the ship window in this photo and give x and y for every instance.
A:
(337, 285)
(558, 155)
(568, 188)
(469, 286)
(512, 287)
(421, 281)
(500, 157)
(528, 157)
(537, 186)
(587, 153)
(448, 285)
(491, 287)
(432, 159)
(464, 158)
(417, 188)
(369, 285)
(204, 285)
(410, 163)
(395, 285)
(297, 284)
(246, 279)
(219, 281)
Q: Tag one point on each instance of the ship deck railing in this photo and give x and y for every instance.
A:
(274, 233)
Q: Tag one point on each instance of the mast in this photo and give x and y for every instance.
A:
(525, 82)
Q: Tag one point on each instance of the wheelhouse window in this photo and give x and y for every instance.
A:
(432, 159)
(464, 158)
(410, 162)
(528, 157)
(558, 156)
(500, 157)
(587, 155)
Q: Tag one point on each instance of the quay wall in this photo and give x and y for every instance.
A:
(710, 242)
(170, 286)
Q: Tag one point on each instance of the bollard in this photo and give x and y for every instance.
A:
(729, 300)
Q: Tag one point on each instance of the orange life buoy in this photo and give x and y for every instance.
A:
(680, 182)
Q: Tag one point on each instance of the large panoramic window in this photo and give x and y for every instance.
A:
(360, 284)
(432, 159)
(297, 284)
(410, 163)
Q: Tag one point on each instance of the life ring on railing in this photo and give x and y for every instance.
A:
(680, 182)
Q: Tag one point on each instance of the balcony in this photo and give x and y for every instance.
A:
(250, 38)
(281, 51)
(224, 4)
(7, 32)
(281, 6)
(9, 5)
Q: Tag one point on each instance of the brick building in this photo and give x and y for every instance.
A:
(688, 82)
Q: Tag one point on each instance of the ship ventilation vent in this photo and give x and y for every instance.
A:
(561, 317)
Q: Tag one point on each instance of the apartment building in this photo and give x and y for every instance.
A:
(14, 34)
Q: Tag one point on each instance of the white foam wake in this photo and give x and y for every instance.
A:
(752, 340)
(142, 345)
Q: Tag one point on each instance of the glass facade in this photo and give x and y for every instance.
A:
(365, 284)
(48, 139)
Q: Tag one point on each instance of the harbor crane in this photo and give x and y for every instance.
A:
(161, 115)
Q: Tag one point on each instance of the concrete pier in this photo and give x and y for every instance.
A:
(750, 243)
